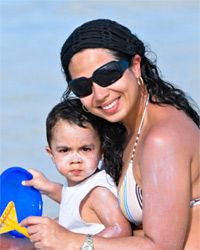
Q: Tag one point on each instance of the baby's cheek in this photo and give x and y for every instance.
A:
(63, 165)
(92, 162)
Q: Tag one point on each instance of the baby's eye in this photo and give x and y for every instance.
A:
(63, 150)
(85, 149)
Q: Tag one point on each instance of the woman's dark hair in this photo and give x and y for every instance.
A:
(112, 135)
(163, 92)
(105, 33)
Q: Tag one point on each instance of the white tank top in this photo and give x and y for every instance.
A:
(69, 214)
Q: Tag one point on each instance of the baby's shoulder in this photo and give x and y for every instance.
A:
(101, 194)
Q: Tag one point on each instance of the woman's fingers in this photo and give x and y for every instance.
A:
(31, 220)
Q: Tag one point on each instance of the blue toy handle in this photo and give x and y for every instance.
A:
(28, 200)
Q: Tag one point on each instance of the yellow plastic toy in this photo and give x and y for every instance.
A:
(9, 221)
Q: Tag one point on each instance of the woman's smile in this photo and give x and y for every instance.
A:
(111, 107)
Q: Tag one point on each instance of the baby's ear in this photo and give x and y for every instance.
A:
(100, 162)
(49, 151)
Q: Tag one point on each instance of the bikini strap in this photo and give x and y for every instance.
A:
(139, 129)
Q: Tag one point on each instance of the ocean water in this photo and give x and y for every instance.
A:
(31, 83)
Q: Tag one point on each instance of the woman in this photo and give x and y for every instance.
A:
(107, 68)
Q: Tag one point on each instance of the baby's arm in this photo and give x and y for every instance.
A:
(105, 204)
(39, 181)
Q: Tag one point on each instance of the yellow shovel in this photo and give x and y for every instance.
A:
(9, 221)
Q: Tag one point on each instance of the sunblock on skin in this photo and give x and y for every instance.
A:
(75, 150)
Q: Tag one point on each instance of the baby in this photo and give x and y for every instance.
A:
(80, 147)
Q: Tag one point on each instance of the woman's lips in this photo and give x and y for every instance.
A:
(111, 108)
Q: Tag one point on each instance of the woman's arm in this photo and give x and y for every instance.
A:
(165, 166)
(165, 171)
(47, 234)
(39, 181)
(166, 185)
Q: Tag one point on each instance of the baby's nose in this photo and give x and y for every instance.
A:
(75, 157)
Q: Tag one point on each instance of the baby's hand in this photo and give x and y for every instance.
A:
(39, 181)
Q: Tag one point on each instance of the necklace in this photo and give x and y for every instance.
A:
(139, 129)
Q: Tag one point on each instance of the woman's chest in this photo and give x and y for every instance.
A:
(128, 163)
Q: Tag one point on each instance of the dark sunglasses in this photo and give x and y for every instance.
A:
(103, 76)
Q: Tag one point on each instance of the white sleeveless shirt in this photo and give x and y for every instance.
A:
(69, 214)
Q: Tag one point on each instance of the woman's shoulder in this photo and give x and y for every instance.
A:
(167, 120)
(170, 128)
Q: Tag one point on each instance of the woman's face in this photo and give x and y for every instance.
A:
(76, 151)
(115, 102)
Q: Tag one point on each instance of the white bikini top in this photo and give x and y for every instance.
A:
(130, 194)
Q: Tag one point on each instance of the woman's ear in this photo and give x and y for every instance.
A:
(136, 65)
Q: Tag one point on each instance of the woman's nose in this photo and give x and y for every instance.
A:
(100, 93)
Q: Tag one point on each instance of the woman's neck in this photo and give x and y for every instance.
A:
(132, 122)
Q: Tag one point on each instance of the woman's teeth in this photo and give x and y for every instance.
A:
(110, 105)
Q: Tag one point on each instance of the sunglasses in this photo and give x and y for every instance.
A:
(103, 76)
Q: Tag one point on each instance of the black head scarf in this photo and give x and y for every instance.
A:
(100, 33)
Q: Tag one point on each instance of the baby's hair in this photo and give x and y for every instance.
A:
(112, 135)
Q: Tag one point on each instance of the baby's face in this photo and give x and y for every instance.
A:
(75, 150)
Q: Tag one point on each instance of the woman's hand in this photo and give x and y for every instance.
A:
(46, 233)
